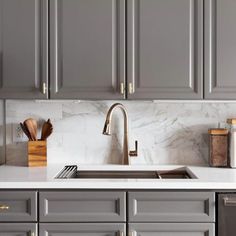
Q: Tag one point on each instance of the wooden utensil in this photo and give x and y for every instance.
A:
(31, 125)
(26, 131)
(46, 130)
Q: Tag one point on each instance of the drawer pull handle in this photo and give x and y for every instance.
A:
(122, 88)
(131, 88)
(229, 202)
(44, 88)
(4, 207)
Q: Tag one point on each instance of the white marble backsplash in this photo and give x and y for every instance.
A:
(167, 132)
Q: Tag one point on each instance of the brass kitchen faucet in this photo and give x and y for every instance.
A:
(107, 131)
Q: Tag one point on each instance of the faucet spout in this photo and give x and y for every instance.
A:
(107, 131)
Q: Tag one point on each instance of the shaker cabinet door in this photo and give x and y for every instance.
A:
(23, 49)
(155, 206)
(172, 229)
(220, 49)
(18, 206)
(18, 229)
(88, 229)
(165, 49)
(87, 49)
(82, 206)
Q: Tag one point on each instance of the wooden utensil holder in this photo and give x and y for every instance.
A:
(37, 153)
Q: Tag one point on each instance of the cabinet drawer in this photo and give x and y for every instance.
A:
(18, 229)
(18, 206)
(82, 229)
(172, 229)
(82, 206)
(171, 207)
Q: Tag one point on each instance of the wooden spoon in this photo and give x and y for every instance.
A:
(31, 125)
(46, 130)
(26, 131)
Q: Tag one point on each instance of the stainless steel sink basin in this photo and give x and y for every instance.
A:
(70, 172)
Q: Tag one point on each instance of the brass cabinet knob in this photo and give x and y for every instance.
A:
(4, 207)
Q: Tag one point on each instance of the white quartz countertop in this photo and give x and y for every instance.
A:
(208, 178)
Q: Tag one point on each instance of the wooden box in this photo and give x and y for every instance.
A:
(37, 153)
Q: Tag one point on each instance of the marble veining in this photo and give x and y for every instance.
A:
(167, 132)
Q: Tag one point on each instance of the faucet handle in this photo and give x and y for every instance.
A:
(134, 153)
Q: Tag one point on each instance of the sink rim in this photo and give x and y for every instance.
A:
(135, 174)
(155, 174)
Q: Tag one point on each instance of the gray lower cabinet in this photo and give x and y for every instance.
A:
(18, 229)
(103, 213)
(18, 206)
(172, 229)
(165, 49)
(82, 206)
(87, 49)
(89, 229)
(23, 49)
(220, 49)
(171, 206)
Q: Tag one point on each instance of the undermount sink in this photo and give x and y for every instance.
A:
(72, 172)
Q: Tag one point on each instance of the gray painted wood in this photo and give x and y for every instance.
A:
(171, 207)
(22, 206)
(87, 48)
(220, 49)
(82, 206)
(172, 229)
(165, 49)
(17, 229)
(23, 48)
(79, 229)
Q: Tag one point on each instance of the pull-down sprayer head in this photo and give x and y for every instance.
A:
(107, 128)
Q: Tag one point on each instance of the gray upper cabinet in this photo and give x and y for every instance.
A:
(116, 49)
(87, 48)
(165, 49)
(23, 48)
(220, 49)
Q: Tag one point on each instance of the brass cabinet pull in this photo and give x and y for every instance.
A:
(4, 207)
(122, 88)
(44, 88)
(131, 88)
